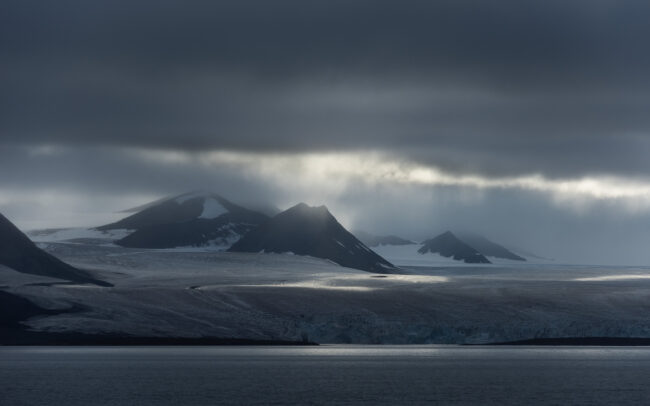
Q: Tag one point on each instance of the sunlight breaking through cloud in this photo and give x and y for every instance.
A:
(333, 171)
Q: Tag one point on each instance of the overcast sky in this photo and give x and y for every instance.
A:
(526, 121)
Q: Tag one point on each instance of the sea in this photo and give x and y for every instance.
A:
(324, 375)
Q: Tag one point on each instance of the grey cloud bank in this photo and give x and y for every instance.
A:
(108, 99)
(556, 87)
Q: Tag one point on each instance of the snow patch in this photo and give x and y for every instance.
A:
(212, 209)
(67, 234)
(606, 278)
(322, 285)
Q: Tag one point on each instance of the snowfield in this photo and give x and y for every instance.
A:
(212, 209)
(197, 293)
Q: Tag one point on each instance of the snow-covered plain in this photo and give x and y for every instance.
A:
(272, 296)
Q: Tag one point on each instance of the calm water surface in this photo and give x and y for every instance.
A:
(374, 375)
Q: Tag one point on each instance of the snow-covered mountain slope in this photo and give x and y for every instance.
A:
(191, 219)
(222, 294)
(376, 240)
(313, 231)
(19, 253)
(448, 245)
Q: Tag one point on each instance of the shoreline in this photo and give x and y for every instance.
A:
(25, 338)
(579, 341)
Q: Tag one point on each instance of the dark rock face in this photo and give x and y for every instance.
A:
(448, 245)
(489, 248)
(14, 309)
(377, 240)
(312, 231)
(169, 211)
(19, 253)
(185, 207)
(196, 232)
(187, 220)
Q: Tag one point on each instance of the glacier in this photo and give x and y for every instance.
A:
(206, 293)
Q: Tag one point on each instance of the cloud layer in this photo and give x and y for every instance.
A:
(526, 120)
(506, 87)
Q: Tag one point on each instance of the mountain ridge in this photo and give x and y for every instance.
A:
(487, 247)
(190, 219)
(19, 253)
(448, 245)
(313, 231)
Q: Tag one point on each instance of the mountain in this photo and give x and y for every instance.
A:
(177, 209)
(376, 240)
(448, 245)
(313, 231)
(488, 248)
(191, 219)
(19, 253)
(259, 206)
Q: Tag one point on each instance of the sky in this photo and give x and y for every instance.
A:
(528, 122)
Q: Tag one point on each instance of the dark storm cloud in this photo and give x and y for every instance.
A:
(498, 87)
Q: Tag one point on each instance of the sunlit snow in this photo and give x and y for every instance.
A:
(193, 293)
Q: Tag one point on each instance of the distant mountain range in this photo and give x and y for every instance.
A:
(208, 219)
(488, 248)
(462, 247)
(191, 219)
(313, 231)
(202, 219)
(19, 253)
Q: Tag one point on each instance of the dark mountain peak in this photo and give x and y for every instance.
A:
(447, 234)
(313, 231)
(487, 247)
(305, 209)
(12, 237)
(19, 253)
(178, 209)
(303, 215)
(203, 196)
(181, 197)
(195, 218)
(448, 245)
